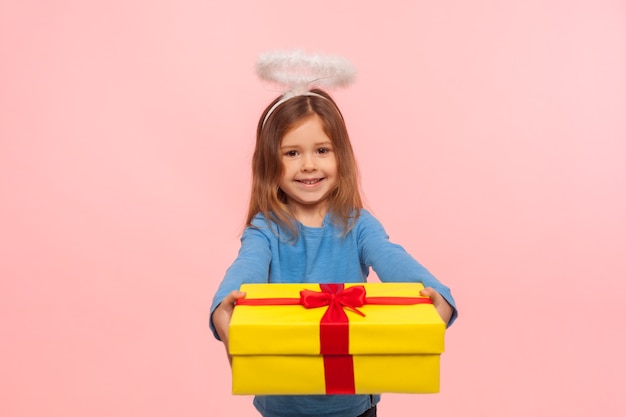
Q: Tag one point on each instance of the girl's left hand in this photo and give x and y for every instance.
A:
(443, 308)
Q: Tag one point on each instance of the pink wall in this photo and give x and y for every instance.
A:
(491, 138)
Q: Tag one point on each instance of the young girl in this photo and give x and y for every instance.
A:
(306, 223)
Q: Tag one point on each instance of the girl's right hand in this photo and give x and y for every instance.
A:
(222, 314)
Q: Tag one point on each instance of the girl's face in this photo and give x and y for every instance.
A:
(310, 169)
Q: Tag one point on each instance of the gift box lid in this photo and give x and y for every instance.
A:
(293, 329)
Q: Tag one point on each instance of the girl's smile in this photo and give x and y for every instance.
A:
(311, 182)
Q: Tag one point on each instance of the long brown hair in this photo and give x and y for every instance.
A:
(267, 169)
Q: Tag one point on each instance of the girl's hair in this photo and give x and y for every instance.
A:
(267, 169)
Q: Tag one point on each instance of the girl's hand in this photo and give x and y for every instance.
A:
(443, 308)
(222, 314)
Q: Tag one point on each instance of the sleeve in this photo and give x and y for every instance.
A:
(251, 265)
(392, 263)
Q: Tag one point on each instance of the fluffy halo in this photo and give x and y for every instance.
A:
(297, 70)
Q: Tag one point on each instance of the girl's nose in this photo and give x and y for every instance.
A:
(308, 164)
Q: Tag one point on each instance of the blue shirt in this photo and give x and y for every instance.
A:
(321, 254)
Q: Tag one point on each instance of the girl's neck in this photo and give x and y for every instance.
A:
(311, 218)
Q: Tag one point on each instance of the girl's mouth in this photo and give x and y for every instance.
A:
(311, 181)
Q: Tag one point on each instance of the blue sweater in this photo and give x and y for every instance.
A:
(321, 255)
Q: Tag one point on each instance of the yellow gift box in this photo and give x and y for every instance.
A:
(301, 339)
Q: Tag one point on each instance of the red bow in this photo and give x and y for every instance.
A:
(336, 298)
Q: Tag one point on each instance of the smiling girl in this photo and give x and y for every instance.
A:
(306, 223)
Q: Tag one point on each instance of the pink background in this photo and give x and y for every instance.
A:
(491, 139)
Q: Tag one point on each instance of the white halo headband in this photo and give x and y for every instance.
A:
(298, 72)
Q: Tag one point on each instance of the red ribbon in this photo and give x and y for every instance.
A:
(334, 326)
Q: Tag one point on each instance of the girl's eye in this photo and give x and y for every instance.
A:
(291, 153)
(323, 150)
